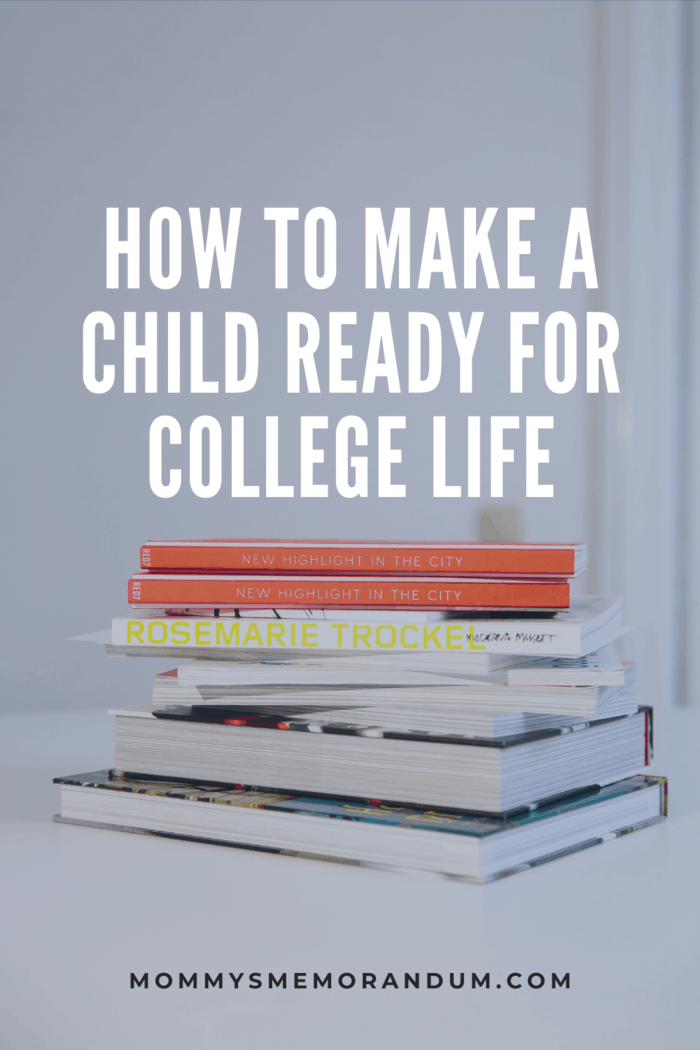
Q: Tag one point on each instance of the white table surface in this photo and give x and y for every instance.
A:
(82, 908)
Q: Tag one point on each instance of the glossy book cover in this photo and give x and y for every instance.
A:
(377, 813)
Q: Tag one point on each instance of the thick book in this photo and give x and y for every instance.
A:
(365, 557)
(490, 776)
(190, 592)
(353, 681)
(590, 623)
(431, 719)
(472, 848)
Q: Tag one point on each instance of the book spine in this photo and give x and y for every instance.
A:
(222, 634)
(358, 559)
(316, 592)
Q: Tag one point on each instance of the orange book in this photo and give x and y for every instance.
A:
(365, 557)
(188, 592)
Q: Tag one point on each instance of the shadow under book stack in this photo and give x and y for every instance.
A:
(447, 704)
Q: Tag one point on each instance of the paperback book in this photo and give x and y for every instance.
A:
(363, 682)
(490, 776)
(432, 721)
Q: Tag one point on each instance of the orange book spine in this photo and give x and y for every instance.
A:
(359, 559)
(315, 592)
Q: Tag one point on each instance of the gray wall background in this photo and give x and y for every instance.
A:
(345, 105)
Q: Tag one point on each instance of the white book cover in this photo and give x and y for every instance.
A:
(589, 623)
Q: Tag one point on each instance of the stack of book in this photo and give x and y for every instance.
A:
(448, 702)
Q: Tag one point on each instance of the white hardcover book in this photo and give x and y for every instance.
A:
(589, 624)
